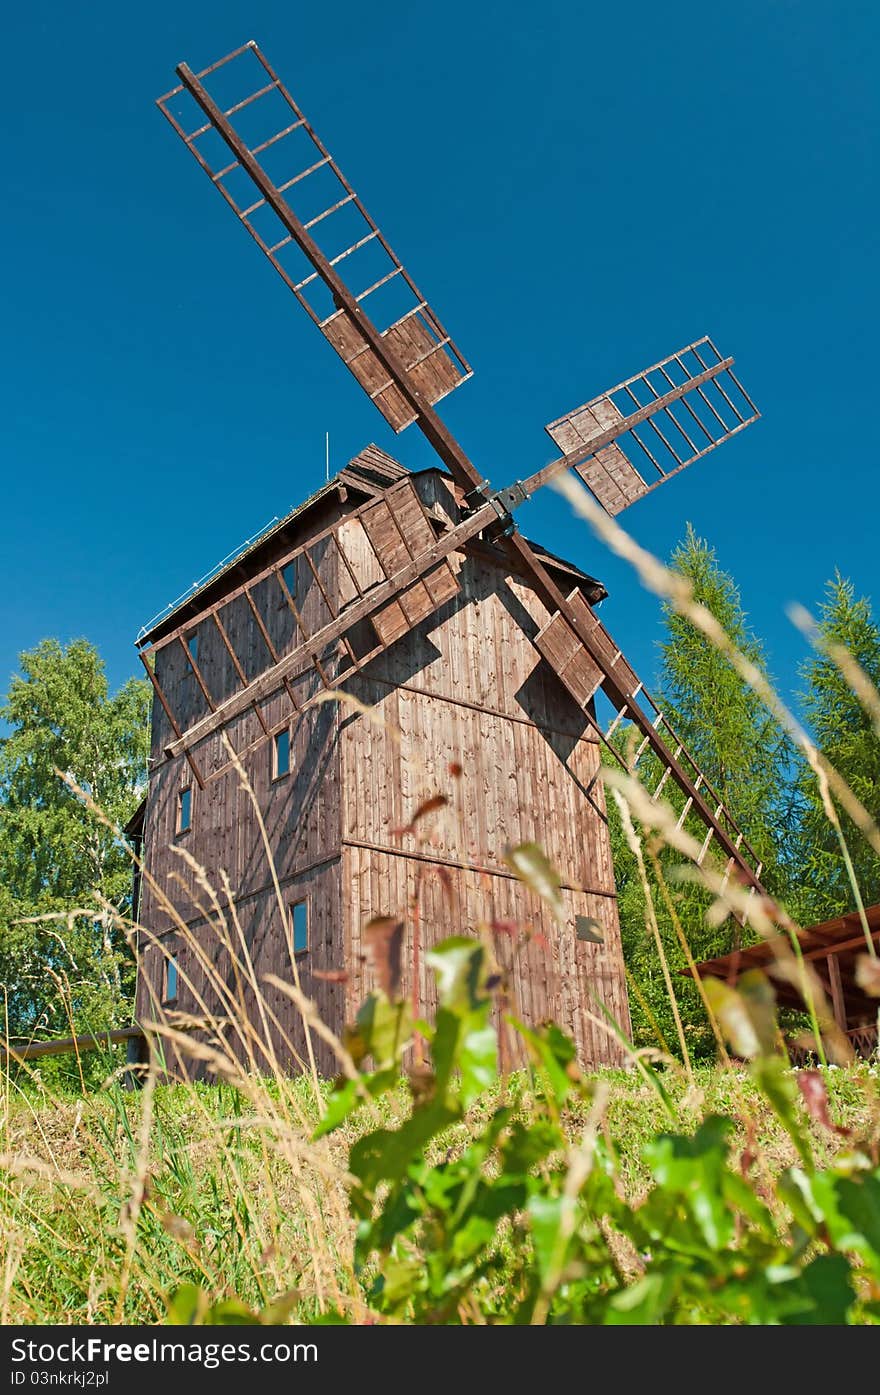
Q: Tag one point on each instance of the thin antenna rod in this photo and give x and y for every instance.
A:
(327, 456)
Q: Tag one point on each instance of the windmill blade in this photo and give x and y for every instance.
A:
(307, 219)
(583, 670)
(411, 364)
(640, 433)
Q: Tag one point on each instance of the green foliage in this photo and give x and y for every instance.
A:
(190, 1306)
(847, 738)
(749, 761)
(515, 1225)
(57, 857)
(737, 744)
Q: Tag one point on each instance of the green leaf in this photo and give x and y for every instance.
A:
(849, 1209)
(400, 1278)
(548, 1214)
(402, 1207)
(531, 865)
(458, 963)
(385, 1154)
(527, 1146)
(554, 1053)
(643, 1303)
(821, 1295)
(776, 1081)
(187, 1306)
(740, 1196)
(746, 1014)
(464, 1041)
(692, 1168)
(342, 1102)
(231, 1312)
(349, 1096)
(384, 1029)
(478, 1060)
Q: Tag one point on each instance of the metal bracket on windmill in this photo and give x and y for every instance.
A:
(503, 501)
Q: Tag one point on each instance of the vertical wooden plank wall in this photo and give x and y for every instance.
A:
(468, 688)
(300, 813)
(465, 688)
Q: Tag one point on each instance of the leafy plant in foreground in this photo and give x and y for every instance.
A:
(504, 1221)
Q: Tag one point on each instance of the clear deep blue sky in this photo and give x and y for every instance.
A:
(578, 188)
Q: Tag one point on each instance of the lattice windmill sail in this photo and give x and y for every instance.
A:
(391, 559)
(667, 417)
(313, 212)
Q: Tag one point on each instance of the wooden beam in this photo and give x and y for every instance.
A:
(242, 676)
(273, 652)
(555, 600)
(157, 687)
(837, 1003)
(270, 681)
(229, 596)
(436, 859)
(856, 942)
(198, 673)
(62, 1046)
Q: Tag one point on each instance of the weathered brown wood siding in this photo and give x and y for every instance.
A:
(468, 688)
(300, 812)
(219, 978)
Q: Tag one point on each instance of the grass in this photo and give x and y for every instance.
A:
(221, 1201)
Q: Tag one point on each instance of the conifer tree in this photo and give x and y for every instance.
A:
(847, 738)
(750, 762)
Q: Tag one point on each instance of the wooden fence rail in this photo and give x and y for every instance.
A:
(90, 1041)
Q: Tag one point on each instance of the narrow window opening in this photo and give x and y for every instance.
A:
(299, 926)
(289, 574)
(192, 644)
(169, 994)
(184, 809)
(281, 754)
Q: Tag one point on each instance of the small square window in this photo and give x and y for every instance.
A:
(192, 644)
(184, 809)
(289, 574)
(169, 990)
(281, 754)
(299, 926)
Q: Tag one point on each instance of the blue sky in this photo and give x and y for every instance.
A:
(579, 189)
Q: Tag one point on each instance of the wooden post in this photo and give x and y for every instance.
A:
(837, 1004)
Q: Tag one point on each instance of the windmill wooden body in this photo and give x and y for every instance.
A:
(476, 656)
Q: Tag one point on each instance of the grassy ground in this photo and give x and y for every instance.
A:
(109, 1201)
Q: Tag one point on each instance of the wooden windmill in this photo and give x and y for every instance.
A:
(477, 650)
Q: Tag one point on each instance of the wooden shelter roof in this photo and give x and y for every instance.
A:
(841, 939)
